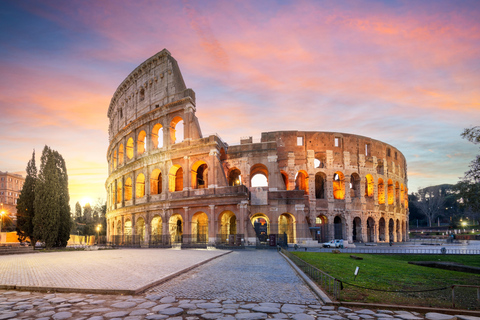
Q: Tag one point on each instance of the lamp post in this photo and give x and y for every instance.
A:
(98, 233)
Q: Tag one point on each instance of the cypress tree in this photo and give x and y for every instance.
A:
(25, 204)
(52, 212)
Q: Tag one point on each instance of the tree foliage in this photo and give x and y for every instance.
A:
(431, 202)
(25, 204)
(52, 210)
(469, 188)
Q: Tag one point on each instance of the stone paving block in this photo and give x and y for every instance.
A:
(439, 316)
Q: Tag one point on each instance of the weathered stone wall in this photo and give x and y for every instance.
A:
(318, 185)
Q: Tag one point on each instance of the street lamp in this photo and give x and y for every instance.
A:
(98, 232)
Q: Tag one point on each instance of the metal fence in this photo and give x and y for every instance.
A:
(229, 241)
(324, 280)
(442, 250)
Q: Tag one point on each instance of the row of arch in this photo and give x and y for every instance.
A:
(388, 192)
(122, 154)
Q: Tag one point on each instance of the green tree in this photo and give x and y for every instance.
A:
(469, 188)
(52, 211)
(78, 212)
(25, 204)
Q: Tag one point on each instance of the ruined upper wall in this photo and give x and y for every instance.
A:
(154, 83)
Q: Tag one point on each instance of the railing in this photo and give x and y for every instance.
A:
(442, 250)
(324, 280)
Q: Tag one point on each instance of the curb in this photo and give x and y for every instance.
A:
(318, 292)
(110, 291)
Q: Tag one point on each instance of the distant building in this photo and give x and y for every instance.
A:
(11, 185)
(170, 184)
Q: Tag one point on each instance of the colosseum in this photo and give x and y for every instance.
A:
(168, 185)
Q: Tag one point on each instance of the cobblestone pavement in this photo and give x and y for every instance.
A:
(125, 269)
(245, 275)
(238, 286)
(43, 306)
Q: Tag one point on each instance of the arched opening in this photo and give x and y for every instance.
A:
(120, 155)
(261, 226)
(397, 193)
(259, 176)
(142, 142)
(156, 229)
(369, 185)
(128, 228)
(301, 181)
(338, 227)
(142, 94)
(381, 191)
(140, 229)
(119, 228)
(390, 191)
(321, 228)
(128, 189)
(140, 186)
(156, 182)
(177, 130)
(357, 230)
(234, 177)
(199, 175)
(119, 191)
(157, 136)
(381, 230)
(227, 226)
(200, 227)
(338, 186)
(130, 148)
(402, 194)
(286, 227)
(391, 230)
(175, 227)
(320, 185)
(175, 178)
(370, 230)
(380, 169)
(397, 229)
(405, 200)
(355, 185)
(115, 159)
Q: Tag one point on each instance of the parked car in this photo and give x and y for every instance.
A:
(333, 243)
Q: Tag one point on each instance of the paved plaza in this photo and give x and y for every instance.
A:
(240, 285)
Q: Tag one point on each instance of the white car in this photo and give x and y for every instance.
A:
(334, 244)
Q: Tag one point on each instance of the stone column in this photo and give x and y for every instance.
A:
(187, 229)
(211, 225)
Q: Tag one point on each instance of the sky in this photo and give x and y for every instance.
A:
(403, 72)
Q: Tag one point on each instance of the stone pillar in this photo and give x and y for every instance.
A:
(187, 175)
(165, 223)
(134, 187)
(211, 225)
(212, 176)
(147, 184)
(187, 229)
(123, 230)
(364, 236)
(147, 228)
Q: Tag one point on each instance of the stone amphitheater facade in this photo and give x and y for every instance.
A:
(169, 184)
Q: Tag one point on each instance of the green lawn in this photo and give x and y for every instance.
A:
(393, 273)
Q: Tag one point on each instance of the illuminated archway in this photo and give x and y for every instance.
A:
(321, 228)
(286, 226)
(141, 142)
(390, 191)
(120, 155)
(157, 136)
(156, 182)
(140, 186)
(355, 185)
(199, 175)
(156, 228)
(301, 181)
(200, 227)
(261, 225)
(175, 227)
(177, 135)
(119, 191)
(128, 189)
(130, 148)
(140, 229)
(259, 176)
(175, 178)
(227, 226)
(338, 185)
(369, 185)
(381, 191)
(234, 177)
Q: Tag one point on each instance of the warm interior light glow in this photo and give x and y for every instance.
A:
(86, 200)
